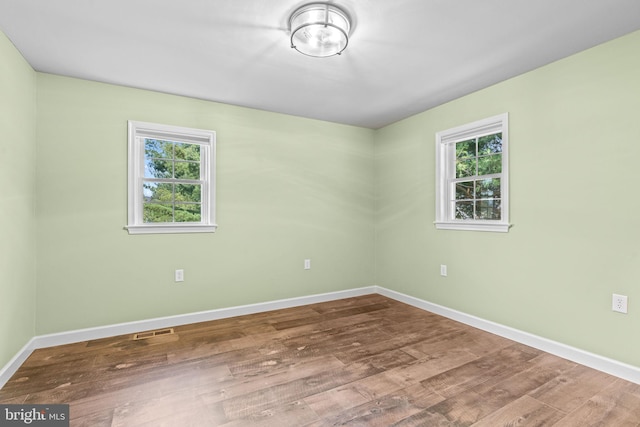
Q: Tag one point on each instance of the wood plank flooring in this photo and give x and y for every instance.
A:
(365, 361)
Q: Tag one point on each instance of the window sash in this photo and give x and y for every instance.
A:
(174, 203)
(204, 147)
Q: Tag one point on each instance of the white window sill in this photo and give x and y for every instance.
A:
(473, 226)
(171, 228)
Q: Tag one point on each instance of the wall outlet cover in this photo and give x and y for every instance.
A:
(619, 303)
(443, 270)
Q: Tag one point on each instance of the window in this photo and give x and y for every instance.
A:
(472, 180)
(171, 179)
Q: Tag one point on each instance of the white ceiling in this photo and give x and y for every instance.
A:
(404, 56)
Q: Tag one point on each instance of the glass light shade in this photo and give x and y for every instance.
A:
(319, 29)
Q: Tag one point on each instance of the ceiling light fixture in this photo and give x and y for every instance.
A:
(319, 29)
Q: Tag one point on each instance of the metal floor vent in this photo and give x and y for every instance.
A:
(151, 334)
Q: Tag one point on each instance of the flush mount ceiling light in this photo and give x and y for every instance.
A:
(319, 29)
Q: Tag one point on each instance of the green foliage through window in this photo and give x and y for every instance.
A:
(477, 185)
(171, 186)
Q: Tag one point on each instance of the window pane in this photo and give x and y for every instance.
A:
(465, 168)
(158, 149)
(155, 192)
(490, 144)
(464, 210)
(153, 212)
(188, 213)
(187, 170)
(187, 151)
(464, 190)
(188, 193)
(490, 164)
(157, 168)
(466, 149)
(488, 188)
(488, 209)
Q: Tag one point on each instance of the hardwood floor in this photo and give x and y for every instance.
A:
(365, 361)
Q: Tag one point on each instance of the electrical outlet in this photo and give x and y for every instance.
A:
(307, 264)
(619, 303)
(179, 275)
(443, 270)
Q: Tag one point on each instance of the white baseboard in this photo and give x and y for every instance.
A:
(595, 361)
(80, 335)
(601, 363)
(12, 366)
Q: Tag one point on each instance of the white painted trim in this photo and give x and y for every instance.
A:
(473, 226)
(80, 335)
(170, 228)
(595, 361)
(601, 363)
(12, 366)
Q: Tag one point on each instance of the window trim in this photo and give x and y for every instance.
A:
(444, 139)
(137, 131)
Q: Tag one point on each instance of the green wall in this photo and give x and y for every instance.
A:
(287, 189)
(574, 129)
(359, 203)
(17, 200)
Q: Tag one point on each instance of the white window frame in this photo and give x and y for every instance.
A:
(138, 132)
(445, 174)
